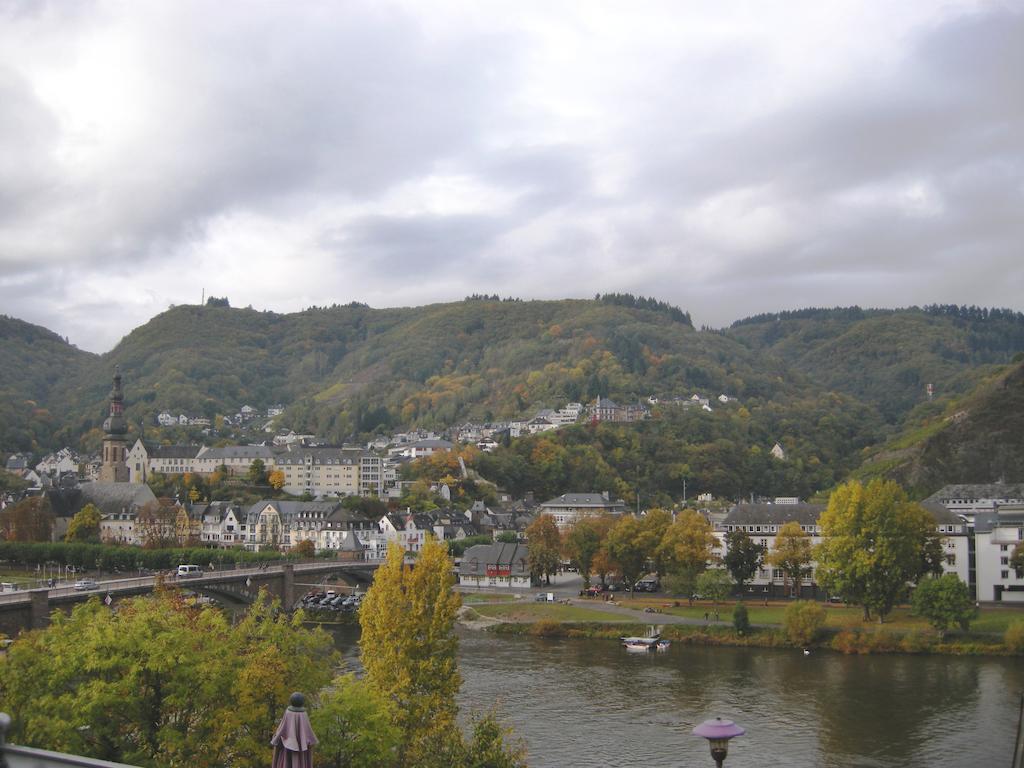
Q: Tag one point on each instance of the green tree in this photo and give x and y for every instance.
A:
(356, 726)
(876, 542)
(628, 547)
(582, 543)
(1017, 558)
(741, 619)
(85, 525)
(408, 650)
(945, 602)
(743, 557)
(544, 544)
(686, 549)
(791, 554)
(257, 474)
(160, 682)
(507, 537)
(714, 584)
(802, 621)
(490, 746)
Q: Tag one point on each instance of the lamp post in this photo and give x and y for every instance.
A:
(718, 732)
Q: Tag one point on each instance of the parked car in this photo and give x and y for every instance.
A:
(594, 590)
(85, 584)
(647, 584)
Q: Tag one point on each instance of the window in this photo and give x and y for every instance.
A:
(776, 573)
(1002, 547)
(1004, 574)
(951, 559)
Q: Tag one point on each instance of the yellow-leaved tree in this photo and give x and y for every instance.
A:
(408, 650)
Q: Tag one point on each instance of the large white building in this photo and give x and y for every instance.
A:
(996, 535)
(570, 507)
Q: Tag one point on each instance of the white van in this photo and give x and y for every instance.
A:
(189, 571)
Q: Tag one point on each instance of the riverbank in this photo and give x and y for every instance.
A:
(697, 626)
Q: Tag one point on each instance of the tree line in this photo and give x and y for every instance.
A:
(876, 545)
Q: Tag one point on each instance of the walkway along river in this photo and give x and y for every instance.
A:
(589, 703)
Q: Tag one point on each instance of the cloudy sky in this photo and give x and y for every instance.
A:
(728, 157)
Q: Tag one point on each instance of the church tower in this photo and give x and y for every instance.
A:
(115, 441)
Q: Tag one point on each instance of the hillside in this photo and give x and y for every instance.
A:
(888, 357)
(822, 382)
(976, 439)
(352, 370)
(33, 362)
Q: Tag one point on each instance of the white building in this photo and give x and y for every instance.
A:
(996, 535)
(570, 507)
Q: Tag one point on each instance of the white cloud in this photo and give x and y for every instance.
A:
(403, 154)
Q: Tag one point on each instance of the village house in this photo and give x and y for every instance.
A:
(495, 565)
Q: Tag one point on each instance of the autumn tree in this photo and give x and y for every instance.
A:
(161, 682)
(276, 479)
(85, 525)
(791, 555)
(544, 543)
(655, 523)
(305, 549)
(409, 650)
(30, 519)
(156, 524)
(686, 550)
(876, 542)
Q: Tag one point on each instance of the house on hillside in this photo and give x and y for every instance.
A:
(570, 507)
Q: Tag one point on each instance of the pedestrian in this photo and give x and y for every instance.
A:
(716, 615)
(705, 615)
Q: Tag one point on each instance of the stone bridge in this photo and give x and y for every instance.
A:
(31, 609)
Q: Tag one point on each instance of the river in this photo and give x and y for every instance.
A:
(590, 703)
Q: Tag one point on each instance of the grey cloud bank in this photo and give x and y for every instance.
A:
(724, 158)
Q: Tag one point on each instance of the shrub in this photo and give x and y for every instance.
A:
(802, 621)
(915, 642)
(740, 619)
(1014, 637)
(546, 628)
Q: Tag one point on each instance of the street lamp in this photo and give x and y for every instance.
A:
(718, 732)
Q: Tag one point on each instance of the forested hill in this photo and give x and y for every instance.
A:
(888, 357)
(976, 438)
(818, 381)
(348, 370)
(33, 361)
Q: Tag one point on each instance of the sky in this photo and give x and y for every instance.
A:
(730, 158)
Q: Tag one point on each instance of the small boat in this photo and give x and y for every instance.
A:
(662, 645)
(641, 643)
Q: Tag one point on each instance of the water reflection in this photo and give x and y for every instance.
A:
(589, 703)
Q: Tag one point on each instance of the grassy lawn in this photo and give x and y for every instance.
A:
(477, 597)
(529, 612)
(990, 620)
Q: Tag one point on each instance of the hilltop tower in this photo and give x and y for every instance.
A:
(115, 437)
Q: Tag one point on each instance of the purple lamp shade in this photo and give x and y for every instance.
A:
(718, 729)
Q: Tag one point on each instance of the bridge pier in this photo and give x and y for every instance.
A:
(288, 585)
(40, 608)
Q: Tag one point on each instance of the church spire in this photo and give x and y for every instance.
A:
(115, 428)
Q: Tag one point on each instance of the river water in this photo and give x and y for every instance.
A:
(590, 703)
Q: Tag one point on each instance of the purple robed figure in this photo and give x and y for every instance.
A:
(294, 739)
